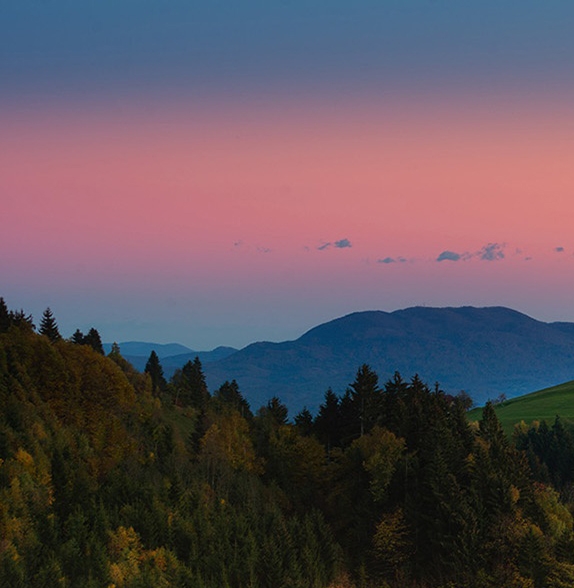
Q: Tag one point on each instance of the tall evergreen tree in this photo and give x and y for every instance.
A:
(304, 422)
(5, 320)
(78, 337)
(49, 327)
(94, 340)
(154, 369)
(366, 395)
(190, 386)
(327, 423)
(228, 395)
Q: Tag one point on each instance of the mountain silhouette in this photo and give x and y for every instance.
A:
(483, 351)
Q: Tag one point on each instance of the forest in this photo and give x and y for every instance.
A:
(119, 479)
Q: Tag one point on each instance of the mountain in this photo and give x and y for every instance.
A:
(484, 351)
(141, 348)
(172, 355)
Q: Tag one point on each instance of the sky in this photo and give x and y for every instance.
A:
(218, 173)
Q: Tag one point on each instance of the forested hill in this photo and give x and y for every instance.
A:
(112, 478)
(484, 351)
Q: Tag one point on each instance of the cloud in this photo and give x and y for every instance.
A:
(559, 249)
(340, 244)
(263, 250)
(450, 256)
(491, 252)
(388, 260)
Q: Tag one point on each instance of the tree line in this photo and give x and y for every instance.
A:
(110, 477)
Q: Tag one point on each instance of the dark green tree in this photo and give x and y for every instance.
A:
(5, 320)
(22, 320)
(49, 327)
(304, 422)
(228, 395)
(190, 388)
(327, 425)
(366, 396)
(94, 340)
(155, 371)
(78, 337)
(277, 411)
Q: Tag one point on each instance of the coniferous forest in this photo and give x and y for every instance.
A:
(114, 478)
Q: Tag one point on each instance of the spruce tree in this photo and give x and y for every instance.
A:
(78, 337)
(154, 369)
(304, 422)
(94, 340)
(190, 386)
(366, 395)
(49, 327)
(5, 320)
(328, 422)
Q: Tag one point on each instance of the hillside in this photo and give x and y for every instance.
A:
(484, 351)
(542, 405)
(107, 480)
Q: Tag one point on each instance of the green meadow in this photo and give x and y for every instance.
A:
(545, 405)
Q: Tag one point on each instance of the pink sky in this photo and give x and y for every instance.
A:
(214, 218)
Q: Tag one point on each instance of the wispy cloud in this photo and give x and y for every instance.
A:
(490, 252)
(340, 244)
(388, 260)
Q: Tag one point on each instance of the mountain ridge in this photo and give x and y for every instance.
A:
(486, 351)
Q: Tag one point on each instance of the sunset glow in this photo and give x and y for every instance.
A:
(227, 220)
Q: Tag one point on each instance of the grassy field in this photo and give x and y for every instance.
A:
(542, 405)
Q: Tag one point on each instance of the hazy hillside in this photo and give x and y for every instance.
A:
(172, 355)
(484, 351)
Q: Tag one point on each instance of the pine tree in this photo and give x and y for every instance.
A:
(228, 395)
(4, 317)
(78, 337)
(49, 327)
(304, 422)
(366, 395)
(94, 340)
(327, 424)
(154, 369)
(190, 386)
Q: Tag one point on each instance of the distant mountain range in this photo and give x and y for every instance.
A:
(172, 355)
(484, 351)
